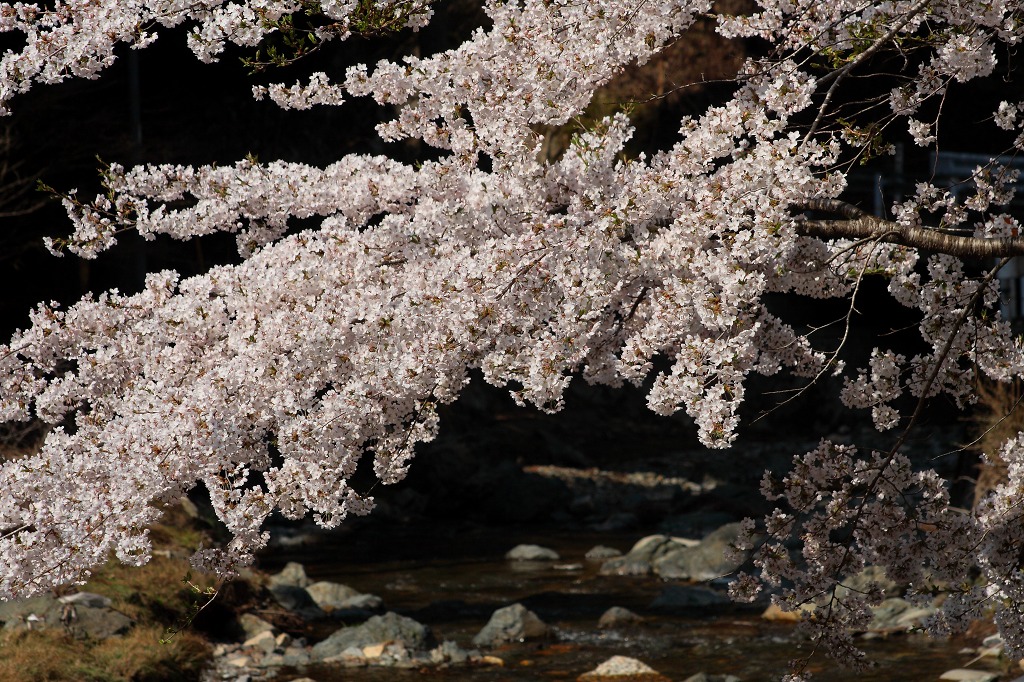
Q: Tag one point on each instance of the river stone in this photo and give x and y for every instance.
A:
(706, 677)
(296, 599)
(531, 553)
(449, 653)
(79, 619)
(387, 628)
(253, 625)
(682, 597)
(623, 668)
(897, 615)
(328, 595)
(600, 552)
(965, 675)
(293, 574)
(617, 616)
(705, 561)
(264, 641)
(513, 623)
(639, 559)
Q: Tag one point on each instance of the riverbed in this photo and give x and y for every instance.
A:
(452, 576)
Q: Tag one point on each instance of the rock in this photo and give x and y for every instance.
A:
(328, 595)
(293, 574)
(264, 641)
(296, 599)
(623, 668)
(361, 602)
(617, 616)
(965, 675)
(531, 553)
(303, 679)
(387, 628)
(449, 653)
(253, 625)
(705, 677)
(682, 597)
(600, 552)
(623, 565)
(239, 661)
(77, 617)
(706, 561)
(513, 623)
(897, 615)
(295, 656)
(639, 559)
(350, 657)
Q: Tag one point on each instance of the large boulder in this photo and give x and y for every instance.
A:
(640, 559)
(711, 558)
(513, 623)
(388, 628)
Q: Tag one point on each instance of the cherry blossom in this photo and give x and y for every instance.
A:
(268, 381)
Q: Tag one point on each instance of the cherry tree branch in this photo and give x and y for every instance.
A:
(857, 224)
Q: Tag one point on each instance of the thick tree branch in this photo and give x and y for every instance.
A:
(856, 224)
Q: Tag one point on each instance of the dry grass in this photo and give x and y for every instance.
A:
(155, 596)
(136, 657)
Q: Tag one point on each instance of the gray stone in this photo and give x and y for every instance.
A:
(264, 641)
(253, 625)
(295, 656)
(639, 559)
(706, 677)
(293, 574)
(387, 628)
(681, 597)
(296, 599)
(531, 553)
(897, 615)
(330, 595)
(624, 565)
(449, 653)
(600, 552)
(705, 561)
(513, 623)
(617, 616)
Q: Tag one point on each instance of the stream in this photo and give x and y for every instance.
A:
(452, 577)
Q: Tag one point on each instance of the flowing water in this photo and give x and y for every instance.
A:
(452, 579)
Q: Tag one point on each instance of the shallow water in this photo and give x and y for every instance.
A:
(452, 579)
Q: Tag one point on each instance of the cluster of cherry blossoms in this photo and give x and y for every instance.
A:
(268, 381)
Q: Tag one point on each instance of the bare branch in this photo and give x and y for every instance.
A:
(856, 224)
